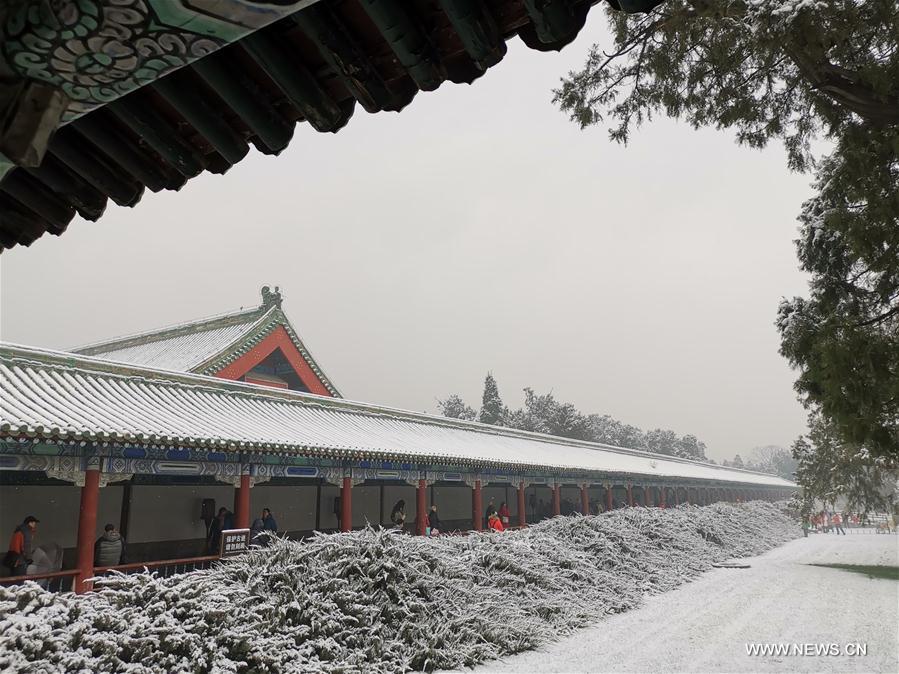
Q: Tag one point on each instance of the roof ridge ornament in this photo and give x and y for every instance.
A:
(271, 298)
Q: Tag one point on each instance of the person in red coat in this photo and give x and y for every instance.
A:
(504, 514)
(494, 523)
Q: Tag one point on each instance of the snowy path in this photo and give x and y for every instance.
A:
(705, 625)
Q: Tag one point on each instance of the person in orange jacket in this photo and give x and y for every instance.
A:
(494, 523)
(21, 546)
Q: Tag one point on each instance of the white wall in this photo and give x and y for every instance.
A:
(57, 508)
(172, 512)
(453, 502)
(328, 518)
(293, 506)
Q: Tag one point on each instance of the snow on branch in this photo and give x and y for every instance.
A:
(379, 601)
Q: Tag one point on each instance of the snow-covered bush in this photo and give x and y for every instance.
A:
(377, 600)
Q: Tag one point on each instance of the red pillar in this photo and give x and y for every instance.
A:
(346, 505)
(677, 496)
(609, 501)
(477, 510)
(87, 529)
(661, 497)
(522, 513)
(585, 500)
(557, 500)
(646, 492)
(630, 496)
(242, 504)
(421, 507)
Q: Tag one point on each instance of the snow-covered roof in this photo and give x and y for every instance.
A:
(58, 396)
(206, 345)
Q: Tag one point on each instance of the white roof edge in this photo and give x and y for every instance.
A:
(167, 328)
(70, 359)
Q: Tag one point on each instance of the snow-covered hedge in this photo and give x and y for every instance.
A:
(374, 600)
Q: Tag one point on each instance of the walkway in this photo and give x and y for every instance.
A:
(705, 626)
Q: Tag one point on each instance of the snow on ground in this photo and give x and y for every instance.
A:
(705, 625)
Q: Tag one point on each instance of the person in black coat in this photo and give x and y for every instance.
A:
(222, 522)
(434, 520)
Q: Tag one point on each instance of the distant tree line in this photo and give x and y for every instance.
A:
(771, 459)
(544, 414)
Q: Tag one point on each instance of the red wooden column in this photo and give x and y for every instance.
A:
(676, 496)
(522, 513)
(346, 505)
(242, 503)
(477, 510)
(585, 500)
(609, 500)
(630, 495)
(662, 496)
(87, 529)
(557, 500)
(421, 506)
(646, 492)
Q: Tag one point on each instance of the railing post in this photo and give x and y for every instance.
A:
(87, 529)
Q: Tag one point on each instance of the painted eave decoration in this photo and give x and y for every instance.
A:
(103, 99)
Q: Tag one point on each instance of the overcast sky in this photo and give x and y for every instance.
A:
(477, 230)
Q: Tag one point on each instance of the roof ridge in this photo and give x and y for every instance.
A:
(175, 329)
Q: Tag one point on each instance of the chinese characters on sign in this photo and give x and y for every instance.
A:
(234, 541)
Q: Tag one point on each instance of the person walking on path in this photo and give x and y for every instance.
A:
(433, 521)
(494, 523)
(837, 521)
(109, 548)
(398, 515)
(21, 546)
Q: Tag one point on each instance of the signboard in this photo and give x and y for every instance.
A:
(234, 541)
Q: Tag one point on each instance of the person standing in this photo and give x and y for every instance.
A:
(222, 522)
(268, 521)
(494, 523)
(109, 548)
(504, 514)
(21, 546)
(398, 515)
(491, 510)
(433, 521)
